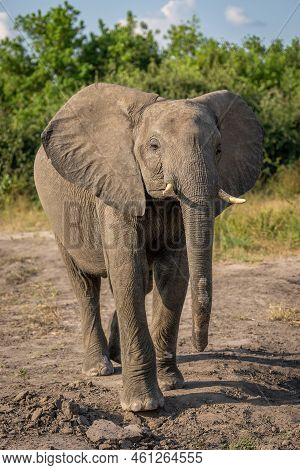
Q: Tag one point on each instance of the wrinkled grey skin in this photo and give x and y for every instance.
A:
(106, 158)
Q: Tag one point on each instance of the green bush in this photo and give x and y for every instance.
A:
(38, 75)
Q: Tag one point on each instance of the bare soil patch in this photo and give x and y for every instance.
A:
(242, 392)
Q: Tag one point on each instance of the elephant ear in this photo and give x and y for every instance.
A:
(89, 142)
(241, 142)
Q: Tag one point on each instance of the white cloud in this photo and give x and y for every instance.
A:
(5, 30)
(174, 9)
(173, 12)
(237, 17)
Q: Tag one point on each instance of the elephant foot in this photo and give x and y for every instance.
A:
(135, 400)
(170, 377)
(98, 367)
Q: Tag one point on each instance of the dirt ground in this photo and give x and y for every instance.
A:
(242, 392)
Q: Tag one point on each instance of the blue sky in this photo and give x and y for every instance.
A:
(222, 19)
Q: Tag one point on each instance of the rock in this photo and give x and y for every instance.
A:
(133, 431)
(73, 386)
(67, 429)
(29, 426)
(69, 408)
(47, 410)
(102, 429)
(104, 446)
(56, 404)
(52, 414)
(126, 444)
(21, 396)
(36, 414)
(44, 400)
(46, 419)
(5, 408)
(133, 418)
(83, 420)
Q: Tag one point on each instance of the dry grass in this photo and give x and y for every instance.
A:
(42, 310)
(20, 269)
(283, 313)
(267, 225)
(22, 216)
(264, 226)
(32, 303)
(244, 443)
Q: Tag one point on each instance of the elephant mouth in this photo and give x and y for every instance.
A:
(157, 188)
(168, 191)
(156, 193)
(160, 194)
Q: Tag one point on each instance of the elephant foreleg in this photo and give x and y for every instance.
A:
(170, 286)
(128, 273)
(114, 346)
(87, 288)
(140, 387)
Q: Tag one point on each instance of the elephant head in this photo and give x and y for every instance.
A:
(121, 143)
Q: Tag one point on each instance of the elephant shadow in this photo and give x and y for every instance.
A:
(286, 390)
(244, 355)
(259, 389)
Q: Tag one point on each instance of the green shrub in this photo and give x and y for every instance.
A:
(36, 81)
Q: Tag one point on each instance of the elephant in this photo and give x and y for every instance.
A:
(131, 184)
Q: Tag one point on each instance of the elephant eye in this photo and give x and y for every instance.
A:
(218, 152)
(154, 144)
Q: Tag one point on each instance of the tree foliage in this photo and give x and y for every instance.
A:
(51, 57)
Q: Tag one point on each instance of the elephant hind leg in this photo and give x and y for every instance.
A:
(87, 289)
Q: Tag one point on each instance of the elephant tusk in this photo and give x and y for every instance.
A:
(169, 191)
(227, 198)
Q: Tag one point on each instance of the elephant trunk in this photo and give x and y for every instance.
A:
(199, 224)
(196, 186)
